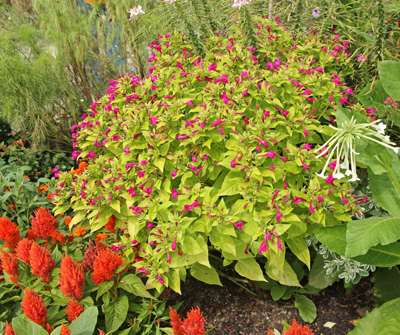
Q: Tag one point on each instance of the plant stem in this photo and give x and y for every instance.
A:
(236, 281)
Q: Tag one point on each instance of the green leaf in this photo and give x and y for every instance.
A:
(134, 285)
(306, 307)
(387, 285)
(116, 312)
(300, 249)
(115, 204)
(361, 235)
(389, 73)
(249, 268)
(104, 287)
(318, 277)
(278, 291)
(85, 323)
(384, 320)
(205, 274)
(285, 276)
(23, 326)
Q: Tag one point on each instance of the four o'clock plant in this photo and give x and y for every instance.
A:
(215, 152)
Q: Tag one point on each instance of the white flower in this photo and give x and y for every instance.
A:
(240, 3)
(169, 2)
(380, 128)
(338, 175)
(135, 12)
(321, 175)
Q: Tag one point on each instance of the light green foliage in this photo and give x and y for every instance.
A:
(235, 134)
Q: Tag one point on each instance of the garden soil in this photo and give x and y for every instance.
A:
(231, 310)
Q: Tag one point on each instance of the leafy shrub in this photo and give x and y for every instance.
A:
(215, 152)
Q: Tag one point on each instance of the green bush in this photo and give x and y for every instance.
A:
(215, 152)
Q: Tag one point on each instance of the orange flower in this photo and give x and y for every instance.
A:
(194, 323)
(80, 169)
(91, 253)
(101, 236)
(101, 332)
(27, 177)
(9, 329)
(65, 330)
(50, 196)
(9, 233)
(30, 234)
(43, 188)
(11, 207)
(73, 310)
(57, 237)
(296, 329)
(79, 231)
(10, 265)
(41, 262)
(23, 250)
(110, 225)
(34, 307)
(43, 224)
(72, 278)
(67, 221)
(176, 322)
(105, 263)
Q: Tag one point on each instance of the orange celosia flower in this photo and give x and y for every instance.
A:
(72, 278)
(9, 329)
(43, 188)
(23, 250)
(27, 177)
(34, 307)
(110, 225)
(67, 221)
(43, 224)
(79, 231)
(176, 322)
(101, 332)
(30, 235)
(73, 310)
(105, 263)
(297, 329)
(57, 237)
(80, 169)
(194, 323)
(9, 263)
(48, 328)
(101, 236)
(11, 207)
(9, 233)
(50, 196)
(41, 262)
(65, 330)
(91, 253)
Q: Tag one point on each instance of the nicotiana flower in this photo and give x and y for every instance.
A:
(343, 143)
(135, 11)
(240, 3)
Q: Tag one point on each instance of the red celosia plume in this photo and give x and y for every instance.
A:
(72, 278)
(176, 322)
(34, 307)
(110, 225)
(65, 330)
(91, 253)
(73, 310)
(192, 325)
(9, 233)
(23, 250)
(295, 329)
(9, 329)
(10, 265)
(105, 263)
(43, 223)
(41, 262)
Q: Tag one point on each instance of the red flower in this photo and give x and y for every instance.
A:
(23, 250)
(10, 265)
(9, 233)
(91, 253)
(105, 263)
(41, 262)
(194, 323)
(65, 330)
(110, 226)
(73, 310)
(296, 329)
(43, 224)
(101, 332)
(72, 278)
(34, 307)
(31, 235)
(176, 322)
(9, 329)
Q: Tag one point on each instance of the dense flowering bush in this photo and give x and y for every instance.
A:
(215, 151)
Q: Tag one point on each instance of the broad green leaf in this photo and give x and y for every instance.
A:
(115, 204)
(104, 287)
(306, 307)
(134, 285)
(116, 312)
(23, 326)
(300, 249)
(389, 73)
(278, 291)
(286, 276)
(205, 274)
(249, 268)
(85, 323)
(318, 277)
(387, 285)
(361, 235)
